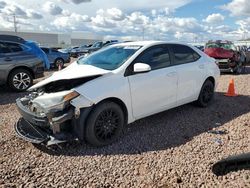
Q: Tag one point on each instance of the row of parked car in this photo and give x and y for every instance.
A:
(78, 51)
(23, 61)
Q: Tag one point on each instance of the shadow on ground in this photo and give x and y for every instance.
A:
(165, 130)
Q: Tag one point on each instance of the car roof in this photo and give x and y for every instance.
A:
(12, 38)
(149, 43)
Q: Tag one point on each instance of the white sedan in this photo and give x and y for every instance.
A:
(96, 96)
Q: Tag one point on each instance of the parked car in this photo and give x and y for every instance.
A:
(96, 46)
(200, 48)
(246, 51)
(96, 96)
(19, 65)
(68, 50)
(56, 57)
(228, 58)
(79, 51)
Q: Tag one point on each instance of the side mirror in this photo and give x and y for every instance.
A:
(141, 67)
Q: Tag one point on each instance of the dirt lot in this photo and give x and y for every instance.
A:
(170, 149)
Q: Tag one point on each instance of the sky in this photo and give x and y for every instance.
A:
(171, 20)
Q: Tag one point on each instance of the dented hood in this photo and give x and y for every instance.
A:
(73, 71)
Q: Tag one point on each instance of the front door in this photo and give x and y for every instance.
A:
(153, 91)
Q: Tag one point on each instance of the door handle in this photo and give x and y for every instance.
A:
(7, 59)
(171, 74)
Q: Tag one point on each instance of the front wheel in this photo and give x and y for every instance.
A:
(20, 80)
(206, 94)
(105, 124)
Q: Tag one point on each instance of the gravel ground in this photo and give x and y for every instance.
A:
(170, 149)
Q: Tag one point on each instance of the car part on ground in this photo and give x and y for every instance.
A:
(232, 163)
(80, 102)
(228, 58)
(20, 62)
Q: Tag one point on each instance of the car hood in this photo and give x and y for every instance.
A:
(73, 71)
(219, 53)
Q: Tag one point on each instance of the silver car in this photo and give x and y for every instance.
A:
(18, 65)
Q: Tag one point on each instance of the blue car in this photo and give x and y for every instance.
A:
(56, 57)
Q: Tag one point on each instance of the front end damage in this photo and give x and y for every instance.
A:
(52, 116)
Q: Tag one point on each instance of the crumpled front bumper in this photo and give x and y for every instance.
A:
(38, 129)
(30, 133)
(225, 65)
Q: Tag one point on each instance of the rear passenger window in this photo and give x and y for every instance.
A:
(3, 48)
(157, 57)
(14, 47)
(46, 50)
(184, 54)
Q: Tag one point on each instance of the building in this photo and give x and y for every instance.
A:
(53, 39)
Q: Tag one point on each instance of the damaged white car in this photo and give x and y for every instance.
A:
(96, 96)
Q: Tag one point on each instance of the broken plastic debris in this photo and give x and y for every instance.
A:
(218, 141)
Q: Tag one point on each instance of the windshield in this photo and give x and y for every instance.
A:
(110, 58)
(227, 46)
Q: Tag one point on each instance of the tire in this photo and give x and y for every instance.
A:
(59, 61)
(104, 124)
(206, 94)
(20, 79)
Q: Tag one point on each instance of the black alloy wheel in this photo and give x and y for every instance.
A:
(105, 124)
(206, 94)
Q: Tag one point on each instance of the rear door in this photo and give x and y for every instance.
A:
(191, 72)
(153, 91)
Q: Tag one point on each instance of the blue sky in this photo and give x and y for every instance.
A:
(178, 20)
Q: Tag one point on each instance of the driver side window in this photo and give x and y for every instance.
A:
(157, 57)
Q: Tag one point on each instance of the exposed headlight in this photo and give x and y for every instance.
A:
(52, 102)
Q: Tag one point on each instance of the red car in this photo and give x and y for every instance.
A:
(226, 55)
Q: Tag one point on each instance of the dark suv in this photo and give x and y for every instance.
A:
(19, 65)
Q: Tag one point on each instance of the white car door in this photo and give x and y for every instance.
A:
(153, 91)
(191, 73)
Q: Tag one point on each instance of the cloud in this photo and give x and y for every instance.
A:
(115, 14)
(52, 8)
(13, 9)
(238, 7)
(76, 1)
(214, 18)
(138, 18)
(244, 24)
(2, 4)
(33, 14)
(71, 22)
(80, 1)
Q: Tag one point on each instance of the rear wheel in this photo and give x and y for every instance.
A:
(105, 124)
(59, 62)
(20, 80)
(206, 94)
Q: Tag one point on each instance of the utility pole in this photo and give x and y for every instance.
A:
(15, 23)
